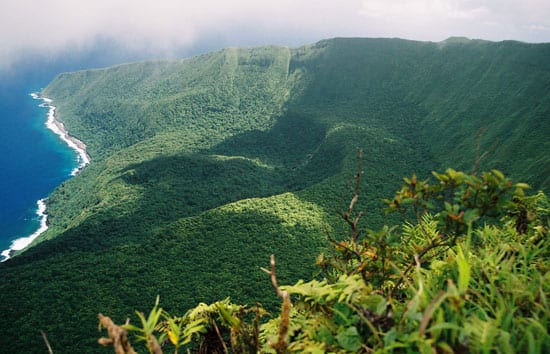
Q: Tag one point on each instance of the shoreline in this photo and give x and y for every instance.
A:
(20, 243)
(83, 159)
(59, 129)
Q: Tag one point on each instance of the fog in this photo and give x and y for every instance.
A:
(167, 28)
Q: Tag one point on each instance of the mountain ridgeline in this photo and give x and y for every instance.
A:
(203, 167)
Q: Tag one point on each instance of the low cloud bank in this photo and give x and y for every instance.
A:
(170, 27)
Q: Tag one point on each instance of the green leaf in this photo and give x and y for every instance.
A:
(440, 176)
(444, 325)
(499, 174)
(344, 315)
(349, 339)
(376, 303)
(523, 186)
(130, 327)
(463, 270)
(470, 216)
(196, 326)
(232, 320)
(324, 335)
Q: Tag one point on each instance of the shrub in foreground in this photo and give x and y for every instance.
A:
(467, 271)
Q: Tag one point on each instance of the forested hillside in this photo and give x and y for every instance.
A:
(203, 167)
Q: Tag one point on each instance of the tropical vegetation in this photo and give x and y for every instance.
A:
(468, 273)
(203, 168)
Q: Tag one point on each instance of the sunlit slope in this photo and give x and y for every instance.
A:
(208, 97)
(204, 167)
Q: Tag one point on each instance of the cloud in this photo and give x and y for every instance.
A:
(163, 26)
(526, 20)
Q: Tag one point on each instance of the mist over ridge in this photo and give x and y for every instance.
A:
(167, 28)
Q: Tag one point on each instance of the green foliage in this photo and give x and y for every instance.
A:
(483, 290)
(462, 201)
(209, 97)
(205, 328)
(435, 294)
(148, 326)
(243, 153)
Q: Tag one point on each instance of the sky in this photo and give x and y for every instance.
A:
(167, 28)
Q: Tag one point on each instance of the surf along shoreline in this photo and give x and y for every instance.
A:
(83, 159)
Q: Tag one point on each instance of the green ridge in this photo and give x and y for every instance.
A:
(204, 167)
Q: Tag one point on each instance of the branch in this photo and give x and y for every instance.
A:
(155, 347)
(220, 337)
(46, 341)
(347, 215)
(281, 344)
(117, 336)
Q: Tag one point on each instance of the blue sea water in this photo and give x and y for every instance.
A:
(33, 160)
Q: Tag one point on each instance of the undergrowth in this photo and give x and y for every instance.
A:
(466, 271)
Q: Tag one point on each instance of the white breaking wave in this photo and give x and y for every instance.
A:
(23, 242)
(82, 158)
(59, 130)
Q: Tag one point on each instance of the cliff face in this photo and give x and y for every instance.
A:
(423, 91)
(204, 167)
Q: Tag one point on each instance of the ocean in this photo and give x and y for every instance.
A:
(33, 159)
